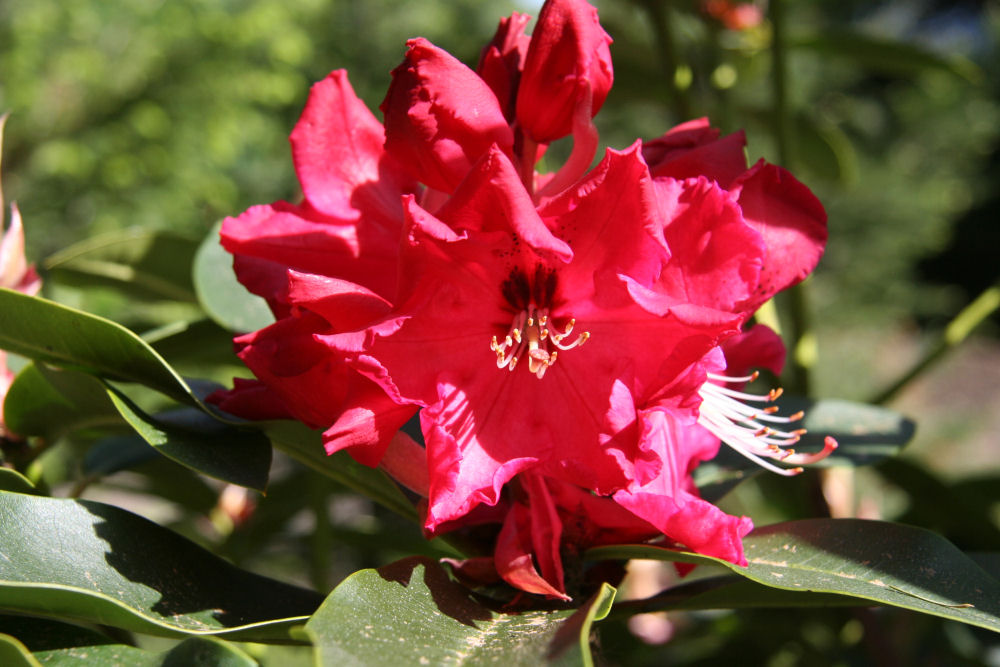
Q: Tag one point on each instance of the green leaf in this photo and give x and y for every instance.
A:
(47, 331)
(884, 54)
(142, 262)
(412, 613)
(885, 563)
(730, 592)
(221, 295)
(306, 446)
(195, 440)
(52, 402)
(12, 480)
(14, 654)
(56, 643)
(866, 434)
(76, 559)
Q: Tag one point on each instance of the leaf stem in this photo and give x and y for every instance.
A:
(963, 324)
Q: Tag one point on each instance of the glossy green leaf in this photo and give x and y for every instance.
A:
(142, 262)
(884, 563)
(15, 654)
(76, 559)
(47, 331)
(52, 402)
(221, 295)
(56, 643)
(12, 480)
(412, 613)
(194, 439)
(866, 434)
(306, 446)
(730, 592)
(884, 54)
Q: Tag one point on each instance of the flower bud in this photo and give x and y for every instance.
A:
(440, 117)
(502, 60)
(568, 64)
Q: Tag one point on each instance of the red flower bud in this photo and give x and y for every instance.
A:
(440, 117)
(502, 60)
(568, 64)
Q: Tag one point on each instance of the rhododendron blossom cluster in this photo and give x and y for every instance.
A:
(573, 342)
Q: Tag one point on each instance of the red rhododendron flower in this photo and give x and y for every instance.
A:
(573, 342)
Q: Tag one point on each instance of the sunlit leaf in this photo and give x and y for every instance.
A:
(884, 563)
(194, 439)
(221, 295)
(76, 559)
(412, 613)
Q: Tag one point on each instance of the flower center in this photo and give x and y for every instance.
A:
(752, 431)
(530, 333)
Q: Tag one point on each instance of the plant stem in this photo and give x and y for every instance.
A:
(800, 337)
(664, 38)
(957, 331)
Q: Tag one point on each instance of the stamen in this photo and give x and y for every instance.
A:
(529, 333)
(748, 430)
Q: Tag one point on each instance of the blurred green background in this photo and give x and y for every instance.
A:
(174, 114)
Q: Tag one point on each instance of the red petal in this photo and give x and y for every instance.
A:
(440, 117)
(791, 221)
(694, 149)
(302, 239)
(337, 148)
(513, 556)
(502, 60)
(758, 347)
(715, 257)
(667, 502)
